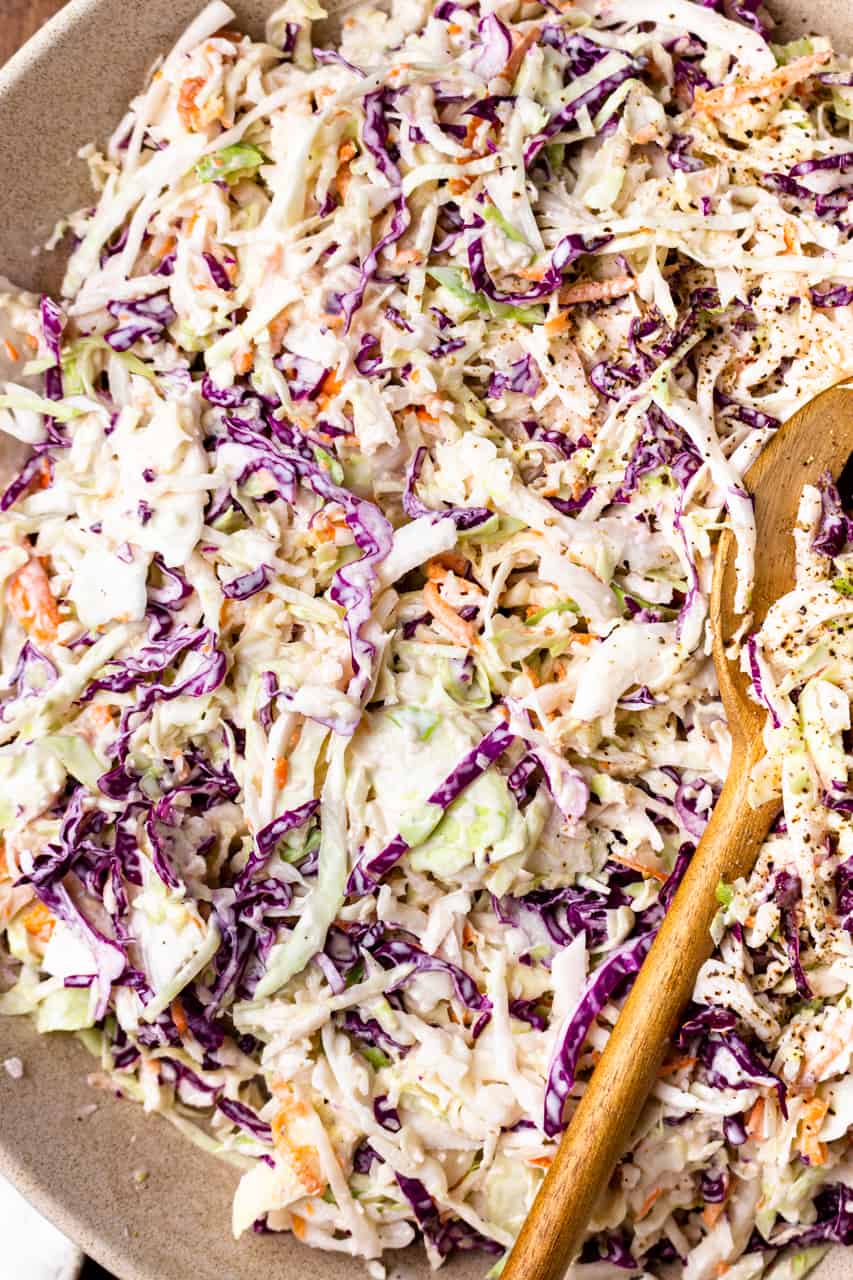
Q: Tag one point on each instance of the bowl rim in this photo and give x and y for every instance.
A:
(45, 1194)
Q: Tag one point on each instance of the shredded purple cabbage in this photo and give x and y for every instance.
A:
(788, 892)
(247, 584)
(444, 1236)
(367, 872)
(619, 967)
(141, 320)
(463, 517)
(834, 528)
(241, 1115)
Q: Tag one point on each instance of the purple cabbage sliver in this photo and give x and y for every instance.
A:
(141, 319)
(463, 517)
(218, 273)
(350, 302)
(386, 1114)
(522, 377)
(241, 1115)
(247, 584)
(444, 1236)
(788, 892)
(400, 951)
(52, 324)
(269, 836)
(367, 872)
(833, 1224)
(569, 249)
(834, 529)
(621, 966)
(593, 98)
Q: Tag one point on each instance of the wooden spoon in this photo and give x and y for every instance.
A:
(817, 438)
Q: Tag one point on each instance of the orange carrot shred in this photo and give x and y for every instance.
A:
(179, 1018)
(39, 922)
(31, 603)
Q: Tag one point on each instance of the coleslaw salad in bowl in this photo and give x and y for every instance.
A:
(358, 715)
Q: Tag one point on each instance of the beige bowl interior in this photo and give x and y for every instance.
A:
(70, 85)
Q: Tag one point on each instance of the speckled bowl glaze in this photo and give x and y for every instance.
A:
(70, 85)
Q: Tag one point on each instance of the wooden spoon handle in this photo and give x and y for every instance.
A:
(601, 1127)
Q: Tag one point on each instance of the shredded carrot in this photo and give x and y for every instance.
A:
(277, 328)
(471, 132)
(755, 1119)
(583, 637)
(646, 134)
(299, 1227)
(648, 1202)
(11, 351)
(518, 54)
(424, 415)
(672, 1065)
(407, 256)
(597, 290)
(39, 922)
(165, 247)
(186, 101)
(453, 28)
(712, 1213)
(820, 1065)
(342, 180)
(530, 273)
(715, 101)
(329, 388)
(557, 324)
(458, 186)
(541, 1162)
(31, 603)
(451, 560)
(721, 1268)
(282, 768)
(187, 109)
(324, 530)
(244, 361)
(101, 715)
(42, 479)
(447, 618)
(179, 1018)
(814, 1114)
(4, 864)
(633, 865)
(31, 341)
(332, 322)
(346, 151)
(303, 1159)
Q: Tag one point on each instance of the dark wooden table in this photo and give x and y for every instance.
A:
(19, 19)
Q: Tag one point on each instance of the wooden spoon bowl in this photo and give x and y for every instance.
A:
(818, 438)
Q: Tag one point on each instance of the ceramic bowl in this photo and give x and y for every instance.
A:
(80, 1167)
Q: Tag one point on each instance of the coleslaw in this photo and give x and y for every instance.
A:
(357, 713)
